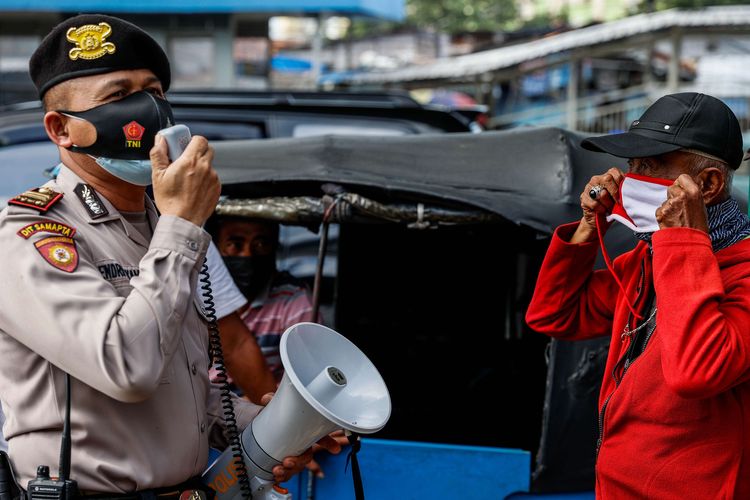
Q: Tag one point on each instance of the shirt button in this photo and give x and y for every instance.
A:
(192, 245)
(203, 428)
(193, 369)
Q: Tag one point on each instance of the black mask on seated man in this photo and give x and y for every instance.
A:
(251, 274)
(125, 129)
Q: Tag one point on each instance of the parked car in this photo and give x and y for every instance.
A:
(232, 115)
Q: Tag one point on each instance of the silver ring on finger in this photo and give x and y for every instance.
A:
(595, 191)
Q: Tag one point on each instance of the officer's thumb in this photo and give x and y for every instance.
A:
(159, 154)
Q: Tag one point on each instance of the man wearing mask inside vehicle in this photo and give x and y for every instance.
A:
(103, 288)
(673, 420)
(273, 300)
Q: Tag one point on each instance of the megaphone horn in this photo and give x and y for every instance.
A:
(328, 384)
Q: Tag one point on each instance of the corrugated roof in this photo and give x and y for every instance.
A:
(507, 57)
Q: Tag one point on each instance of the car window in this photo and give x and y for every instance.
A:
(315, 129)
(298, 251)
(298, 125)
(22, 167)
(224, 131)
(21, 134)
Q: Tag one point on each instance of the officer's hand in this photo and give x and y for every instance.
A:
(294, 465)
(314, 467)
(189, 187)
(608, 187)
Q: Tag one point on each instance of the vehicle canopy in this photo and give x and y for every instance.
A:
(530, 177)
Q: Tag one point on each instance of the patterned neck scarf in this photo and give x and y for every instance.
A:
(727, 225)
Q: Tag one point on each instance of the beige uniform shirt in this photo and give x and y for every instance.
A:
(124, 324)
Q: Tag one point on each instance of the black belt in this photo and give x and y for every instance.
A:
(192, 489)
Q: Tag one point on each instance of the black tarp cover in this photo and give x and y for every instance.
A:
(530, 176)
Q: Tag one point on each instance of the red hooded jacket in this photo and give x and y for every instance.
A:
(677, 423)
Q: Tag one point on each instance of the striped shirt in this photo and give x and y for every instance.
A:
(284, 303)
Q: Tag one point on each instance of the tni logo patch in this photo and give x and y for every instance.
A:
(133, 134)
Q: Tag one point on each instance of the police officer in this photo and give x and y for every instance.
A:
(97, 285)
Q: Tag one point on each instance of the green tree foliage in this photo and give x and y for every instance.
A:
(456, 16)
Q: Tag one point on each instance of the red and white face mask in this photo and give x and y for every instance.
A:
(639, 198)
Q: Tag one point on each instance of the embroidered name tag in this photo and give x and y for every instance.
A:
(113, 271)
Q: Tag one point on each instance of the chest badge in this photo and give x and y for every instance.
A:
(59, 251)
(90, 201)
(89, 40)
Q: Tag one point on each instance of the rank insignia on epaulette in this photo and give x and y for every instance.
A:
(59, 251)
(40, 199)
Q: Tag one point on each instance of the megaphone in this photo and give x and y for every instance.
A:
(328, 384)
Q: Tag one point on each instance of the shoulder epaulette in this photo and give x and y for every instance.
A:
(40, 199)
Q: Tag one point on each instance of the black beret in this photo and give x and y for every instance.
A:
(92, 44)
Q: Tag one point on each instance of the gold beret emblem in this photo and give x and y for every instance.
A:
(89, 40)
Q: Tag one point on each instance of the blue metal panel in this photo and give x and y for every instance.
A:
(386, 9)
(399, 470)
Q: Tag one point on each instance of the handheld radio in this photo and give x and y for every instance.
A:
(44, 487)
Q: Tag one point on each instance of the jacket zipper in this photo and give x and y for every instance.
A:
(649, 333)
(601, 423)
(617, 379)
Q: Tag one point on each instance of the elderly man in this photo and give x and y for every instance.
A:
(98, 286)
(673, 418)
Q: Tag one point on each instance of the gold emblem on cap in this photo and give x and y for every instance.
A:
(89, 40)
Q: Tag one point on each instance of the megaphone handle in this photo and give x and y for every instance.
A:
(356, 444)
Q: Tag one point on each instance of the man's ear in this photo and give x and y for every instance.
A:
(712, 184)
(56, 126)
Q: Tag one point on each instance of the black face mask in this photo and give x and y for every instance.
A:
(125, 129)
(251, 274)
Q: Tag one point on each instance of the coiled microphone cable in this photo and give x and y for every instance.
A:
(217, 357)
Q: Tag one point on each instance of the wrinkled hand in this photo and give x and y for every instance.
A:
(188, 188)
(313, 466)
(603, 203)
(684, 206)
(294, 465)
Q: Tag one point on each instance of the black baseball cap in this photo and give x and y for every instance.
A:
(687, 120)
(93, 44)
